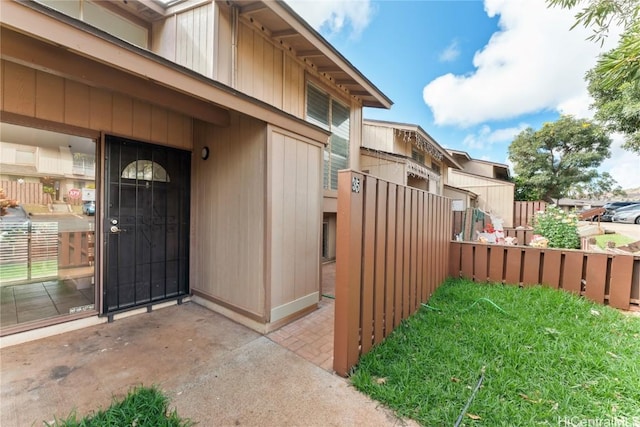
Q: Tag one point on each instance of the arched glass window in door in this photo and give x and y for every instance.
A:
(145, 170)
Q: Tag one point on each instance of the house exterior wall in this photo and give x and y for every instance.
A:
(227, 249)
(384, 168)
(494, 196)
(35, 94)
(294, 212)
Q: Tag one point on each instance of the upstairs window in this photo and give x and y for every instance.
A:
(326, 112)
(417, 156)
(102, 18)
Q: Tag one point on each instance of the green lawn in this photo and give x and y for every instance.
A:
(143, 407)
(548, 357)
(618, 239)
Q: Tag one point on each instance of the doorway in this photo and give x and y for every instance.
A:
(146, 224)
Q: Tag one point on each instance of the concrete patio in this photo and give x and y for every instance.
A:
(214, 371)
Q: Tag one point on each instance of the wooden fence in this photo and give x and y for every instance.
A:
(392, 252)
(600, 277)
(523, 212)
(25, 193)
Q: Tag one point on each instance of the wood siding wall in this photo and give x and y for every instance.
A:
(228, 211)
(295, 183)
(494, 196)
(392, 253)
(36, 94)
(598, 276)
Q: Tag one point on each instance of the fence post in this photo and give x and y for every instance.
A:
(348, 271)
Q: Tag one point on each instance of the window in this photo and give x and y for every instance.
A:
(145, 170)
(329, 114)
(102, 18)
(417, 156)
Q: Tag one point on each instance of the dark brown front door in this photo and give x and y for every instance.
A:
(146, 224)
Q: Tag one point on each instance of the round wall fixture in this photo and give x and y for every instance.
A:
(204, 153)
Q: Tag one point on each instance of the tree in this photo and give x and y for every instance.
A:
(617, 108)
(559, 156)
(615, 81)
(598, 188)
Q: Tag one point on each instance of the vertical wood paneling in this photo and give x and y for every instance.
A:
(551, 268)
(101, 109)
(531, 267)
(572, 272)
(400, 237)
(496, 264)
(390, 261)
(620, 282)
(596, 274)
(141, 120)
(513, 265)
(467, 267)
(159, 124)
(77, 103)
(480, 264)
(50, 99)
(122, 114)
(406, 277)
(369, 225)
(413, 266)
(386, 248)
(278, 226)
(380, 261)
(19, 89)
(348, 269)
(454, 259)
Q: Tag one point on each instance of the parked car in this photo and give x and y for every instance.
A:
(15, 214)
(629, 214)
(612, 207)
(89, 208)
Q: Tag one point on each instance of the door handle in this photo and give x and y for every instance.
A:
(115, 229)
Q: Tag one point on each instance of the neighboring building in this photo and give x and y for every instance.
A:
(404, 154)
(211, 123)
(489, 180)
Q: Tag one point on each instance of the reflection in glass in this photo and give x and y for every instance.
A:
(145, 170)
(47, 235)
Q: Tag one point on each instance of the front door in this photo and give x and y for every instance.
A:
(146, 224)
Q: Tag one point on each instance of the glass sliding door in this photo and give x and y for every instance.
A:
(47, 226)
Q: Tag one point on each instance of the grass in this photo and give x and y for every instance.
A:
(143, 407)
(549, 358)
(618, 239)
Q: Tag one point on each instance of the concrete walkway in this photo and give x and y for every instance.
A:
(214, 371)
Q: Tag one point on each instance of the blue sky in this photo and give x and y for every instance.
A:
(472, 73)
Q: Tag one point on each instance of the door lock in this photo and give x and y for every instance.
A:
(115, 229)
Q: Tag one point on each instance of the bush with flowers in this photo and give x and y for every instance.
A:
(558, 227)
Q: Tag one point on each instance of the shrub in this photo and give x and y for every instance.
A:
(559, 227)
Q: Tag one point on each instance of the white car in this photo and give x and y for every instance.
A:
(628, 214)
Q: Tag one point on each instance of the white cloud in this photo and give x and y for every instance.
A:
(450, 53)
(485, 137)
(533, 63)
(622, 165)
(334, 16)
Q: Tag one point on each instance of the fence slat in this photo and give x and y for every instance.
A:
(596, 277)
(551, 268)
(496, 264)
(572, 272)
(531, 267)
(406, 279)
(369, 221)
(400, 237)
(454, 259)
(380, 249)
(480, 264)
(467, 261)
(390, 261)
(413, 265)
(620, 283)
(514, 265)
